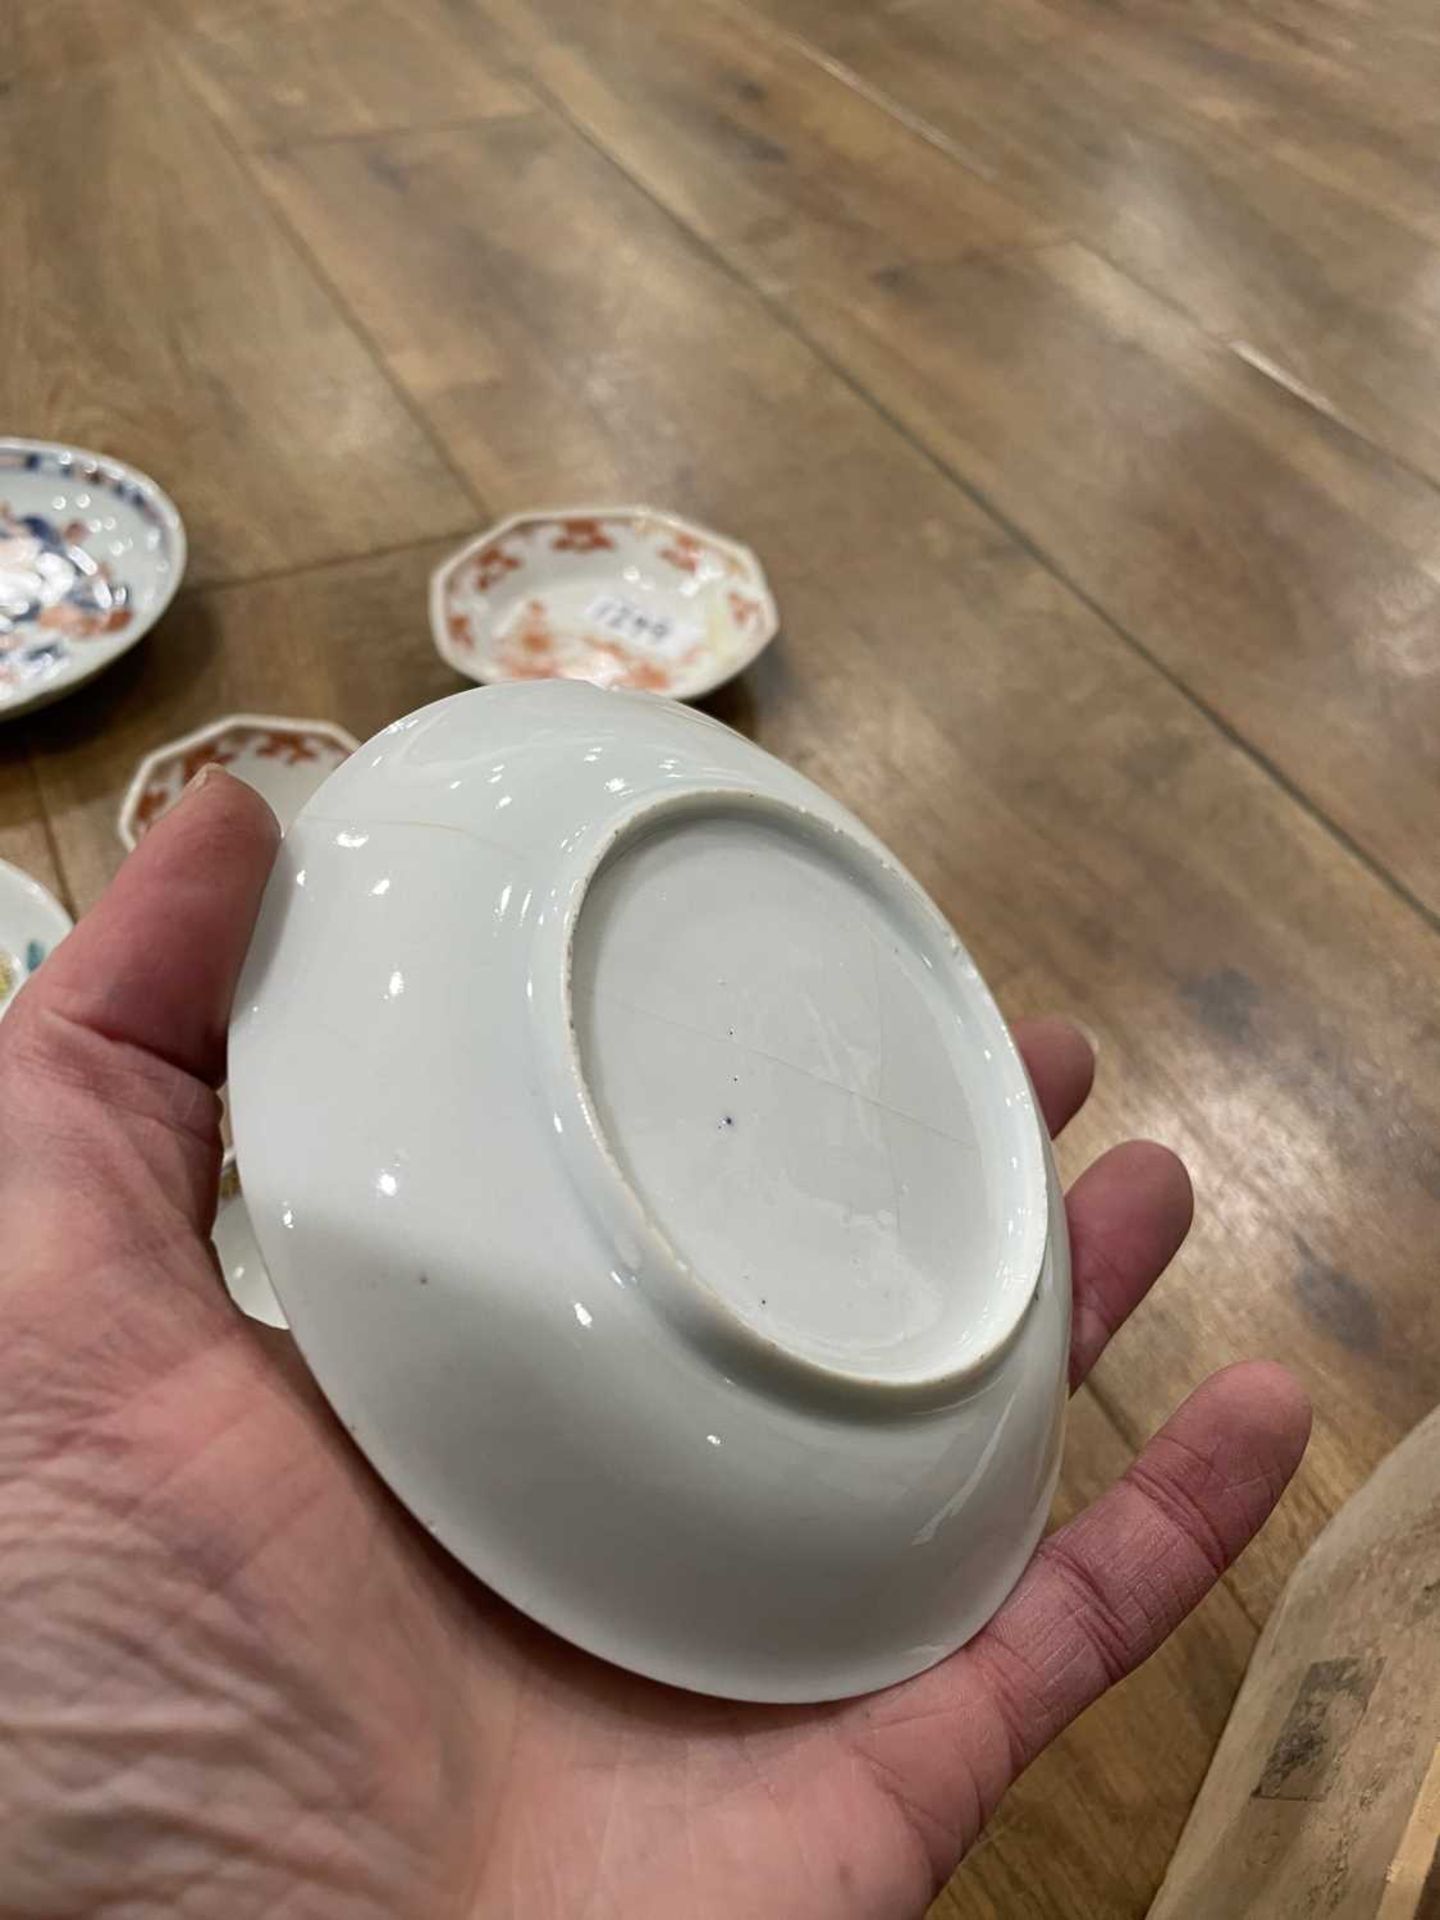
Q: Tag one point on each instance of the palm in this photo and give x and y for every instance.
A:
(237, 1677)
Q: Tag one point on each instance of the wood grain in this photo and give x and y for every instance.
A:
(754, 145)
(24, 841)
(335, 67)
(349, 643)
(1269, 1003)
(1287, 572)
(1324, 1795)
(1140, 146)
(1369, 70)
(151, 306)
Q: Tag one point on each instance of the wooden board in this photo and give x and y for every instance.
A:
(1324, 1795)
(24, 836)
(803, 181)
(348, 643)
(1286, 571)
(329, 68)
(152, 306)
(1142, 147)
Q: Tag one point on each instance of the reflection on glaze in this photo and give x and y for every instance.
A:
(243, 1269)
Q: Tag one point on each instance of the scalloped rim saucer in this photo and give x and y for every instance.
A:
(627, 596)
(285, 760)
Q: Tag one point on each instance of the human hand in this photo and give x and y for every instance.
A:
(236, 1679)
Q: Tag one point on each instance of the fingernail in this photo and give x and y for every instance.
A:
(202, 778)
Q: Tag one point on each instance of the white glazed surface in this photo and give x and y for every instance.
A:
(91, 553)
(241, 1266)
(654, 1190)
(32, 924)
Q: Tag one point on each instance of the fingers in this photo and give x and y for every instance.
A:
(1061, 1064)
(154, 964)
(108, 1057)
(1128, 1214)
(1102, 1593)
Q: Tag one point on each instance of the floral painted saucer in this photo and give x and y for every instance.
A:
(284, 760)
(91, 552)
(622, 596)
(32, 921)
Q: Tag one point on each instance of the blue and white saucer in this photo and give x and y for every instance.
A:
(91, 552)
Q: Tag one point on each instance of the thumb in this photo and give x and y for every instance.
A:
(153, 965)
(110, 1055)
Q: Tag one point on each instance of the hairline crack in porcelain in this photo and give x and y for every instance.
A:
(578, 1050)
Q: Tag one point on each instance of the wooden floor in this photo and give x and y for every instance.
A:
(1075, 367)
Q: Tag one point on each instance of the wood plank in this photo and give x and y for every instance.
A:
(1355, 111)
(284, 70)
(1090, 1828)
(1286, 572)
(1324, 1795)
(1288, 576)
(756, 147)
(23, 839)
(349, 643)
(1143, 151)
(1376, 65)
(1266, 1002)
(36, 36)
(151, 306)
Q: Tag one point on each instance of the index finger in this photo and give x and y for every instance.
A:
(1061, 1065)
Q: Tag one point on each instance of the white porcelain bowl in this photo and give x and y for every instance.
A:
(655, 1191)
